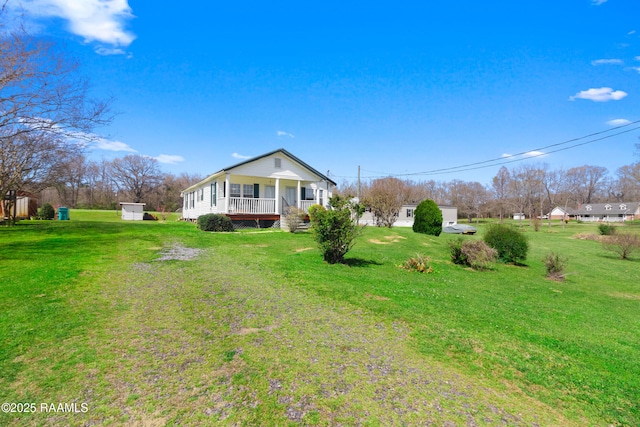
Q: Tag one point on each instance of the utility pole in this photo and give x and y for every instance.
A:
(358, 195)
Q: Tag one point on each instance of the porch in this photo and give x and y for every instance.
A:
(261, 206)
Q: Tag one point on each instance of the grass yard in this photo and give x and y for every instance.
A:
(156, 323)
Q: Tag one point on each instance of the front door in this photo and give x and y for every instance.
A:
(291, 196)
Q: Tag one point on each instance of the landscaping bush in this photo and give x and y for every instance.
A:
(428, 218)
(46, 212)
(555, 265)
(214, 222)
(419, 263)
(294, 218)
(472, 253)
(512, 246)
(623, 244)
(314, 209)
(606, 229)
(335, 230)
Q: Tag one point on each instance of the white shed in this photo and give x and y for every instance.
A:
(132, 211)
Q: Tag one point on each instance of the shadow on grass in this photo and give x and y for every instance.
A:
(359, 262)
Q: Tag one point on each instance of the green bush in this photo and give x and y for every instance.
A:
(214, 222)
(428, 218)
(314, 209)
(46, 212)
(472, 253)
(512, 246)
(606, 229)
(335, 230)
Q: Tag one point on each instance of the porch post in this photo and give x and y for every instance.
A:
(278, 202)
(227, 190)
(298, 204)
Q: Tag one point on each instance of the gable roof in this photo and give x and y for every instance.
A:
(253, 159)
(601, 208)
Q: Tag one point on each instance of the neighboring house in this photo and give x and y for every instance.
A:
(561, 213)
(519, 216)
(132, 211)
(261, 189)
(608, 212)
(406, 215)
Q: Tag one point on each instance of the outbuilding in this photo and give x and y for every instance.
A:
(132, 211)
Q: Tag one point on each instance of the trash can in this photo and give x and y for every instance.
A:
(63, 214)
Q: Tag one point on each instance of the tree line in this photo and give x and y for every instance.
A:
(532, 189)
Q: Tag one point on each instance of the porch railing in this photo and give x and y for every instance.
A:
(251, 206)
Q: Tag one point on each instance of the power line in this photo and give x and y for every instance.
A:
(477, 165)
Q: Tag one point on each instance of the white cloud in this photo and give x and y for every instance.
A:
(606, 61)
(618, 122)
(534, 154)
(169, 159)
(636, 69)
(239, 156)
(103, 144)
(505, 155)
(95, 20)
(283, 133)
(632, 32)
(104, 51)
(602, 94)
(598, 2)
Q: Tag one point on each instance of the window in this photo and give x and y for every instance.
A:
(270, 191)
(623, 207)
(247, 191)
(214, 194)
(607, 207)
(409, 213)
(277, 163)
(201, 194)
(588, 207)
(234, 190)
(307, 194)
(193, 199)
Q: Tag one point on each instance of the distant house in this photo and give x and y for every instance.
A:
(406, 215)
(261, 189)
(519, 216)
(561, 213)
(132, 211)
(608, 212)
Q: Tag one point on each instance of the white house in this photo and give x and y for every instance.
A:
(259, 189)
(132, 211)
(406, 216)
(608, 212)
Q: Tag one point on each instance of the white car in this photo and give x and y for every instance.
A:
(459, 229)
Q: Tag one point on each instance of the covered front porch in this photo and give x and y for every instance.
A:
(258, 196)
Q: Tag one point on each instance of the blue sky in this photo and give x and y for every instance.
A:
(397, 88)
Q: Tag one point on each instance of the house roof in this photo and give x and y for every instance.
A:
(253, 159)
(617, 208)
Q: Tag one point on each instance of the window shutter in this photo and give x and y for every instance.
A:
(256, 191)
(303, 193)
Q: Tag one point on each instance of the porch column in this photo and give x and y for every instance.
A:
(299, 194)
(227, 190)
(278, 201)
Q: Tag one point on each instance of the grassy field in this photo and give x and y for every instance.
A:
(157, 323)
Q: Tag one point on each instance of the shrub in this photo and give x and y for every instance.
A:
(624, 244)
(214, 222)
(46, 212)
(472, 253)
(512, 246)
(314, 209)
(335, 230)
(428, 218)
(294, 218)
(606, 229)
(555, 265)
(419, 263)
(149, 217)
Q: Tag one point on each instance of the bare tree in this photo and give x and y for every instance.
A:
(43, 104)
(500, 185)
(385, 197)
(136, 175)
(586, 182)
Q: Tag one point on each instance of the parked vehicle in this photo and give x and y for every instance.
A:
(459, 229)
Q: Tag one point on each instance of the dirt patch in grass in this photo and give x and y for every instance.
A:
(377, 297)
(625, 295)
(304, 249)
(180, 253)
(394, 238)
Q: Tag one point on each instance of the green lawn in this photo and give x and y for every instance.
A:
(254, 329)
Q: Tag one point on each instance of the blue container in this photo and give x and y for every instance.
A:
(63, 214)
